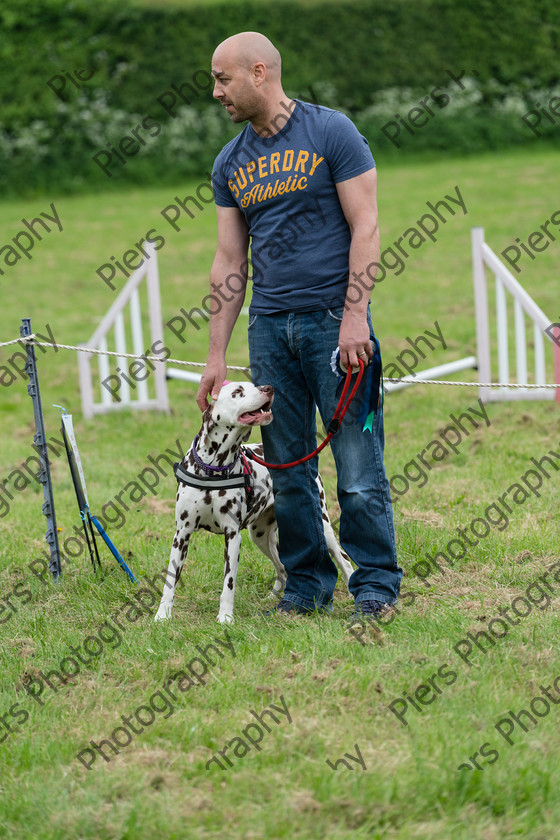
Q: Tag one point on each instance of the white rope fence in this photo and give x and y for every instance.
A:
(30, 339)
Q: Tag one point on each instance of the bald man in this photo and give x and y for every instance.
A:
(298, 185)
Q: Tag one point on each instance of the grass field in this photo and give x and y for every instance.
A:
(404, 782)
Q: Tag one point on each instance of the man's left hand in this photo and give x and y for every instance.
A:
(354, 340)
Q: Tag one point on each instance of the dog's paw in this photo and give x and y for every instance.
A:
(278, 588)
(278, 585)
(163, 614)
(225, 619)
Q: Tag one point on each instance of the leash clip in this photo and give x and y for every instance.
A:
(334, 426)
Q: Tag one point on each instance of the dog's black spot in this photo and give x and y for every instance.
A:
(325, 518)
(185, 516)
(238, 392)
(230, 583)
(222, 492)
(207, 498)
(196, 522)
(227, 568)
(259, 534)
(217, 418)
(175, 543)
(227, 506)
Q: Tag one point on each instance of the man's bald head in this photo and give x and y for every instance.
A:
(249, 48)
(247, 81)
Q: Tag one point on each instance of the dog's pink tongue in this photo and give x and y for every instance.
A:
(255, 418)
(226, 381)
(247, 417)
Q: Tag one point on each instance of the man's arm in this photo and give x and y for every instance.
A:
(230, 259)
(358, 199)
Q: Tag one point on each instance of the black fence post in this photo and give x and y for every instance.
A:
(40, 440)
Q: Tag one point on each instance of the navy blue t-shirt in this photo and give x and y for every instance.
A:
(285, 187)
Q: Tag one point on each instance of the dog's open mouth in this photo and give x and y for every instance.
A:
(258, 416)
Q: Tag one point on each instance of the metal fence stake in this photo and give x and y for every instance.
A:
(40, 440)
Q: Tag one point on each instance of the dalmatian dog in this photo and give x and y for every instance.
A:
(206, 500)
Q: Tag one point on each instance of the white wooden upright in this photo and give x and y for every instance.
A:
(137, 396)
(524, 307)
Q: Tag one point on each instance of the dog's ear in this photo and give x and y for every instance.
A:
(207, 420)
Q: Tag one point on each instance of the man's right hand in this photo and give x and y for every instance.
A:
(211, 383)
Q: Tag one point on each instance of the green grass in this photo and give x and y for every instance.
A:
(181, 4)
(336, 689)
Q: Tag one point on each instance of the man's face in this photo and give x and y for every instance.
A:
(235, 88)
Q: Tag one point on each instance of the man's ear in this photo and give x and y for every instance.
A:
(258, 71)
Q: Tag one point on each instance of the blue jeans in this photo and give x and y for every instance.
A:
(292, 352)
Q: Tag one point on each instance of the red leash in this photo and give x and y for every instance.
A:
(334, 425)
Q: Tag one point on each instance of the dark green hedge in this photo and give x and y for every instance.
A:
(348, 50)
(360, 47)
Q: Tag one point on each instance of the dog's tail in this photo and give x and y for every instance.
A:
(273, 544)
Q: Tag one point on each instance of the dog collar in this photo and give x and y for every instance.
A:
(208, 468)
(211, 482)
(217, 482)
